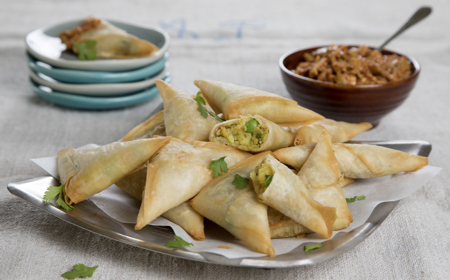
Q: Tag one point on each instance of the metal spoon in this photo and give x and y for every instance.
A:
(418, 16)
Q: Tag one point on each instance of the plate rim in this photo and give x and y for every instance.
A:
(96, 102)
(110, 65)
(97, 77)
(356, 236)
(109, 89)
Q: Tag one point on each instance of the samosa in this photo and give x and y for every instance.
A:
(182, 118)
(237, 209)
(235, 101)
(85, 172)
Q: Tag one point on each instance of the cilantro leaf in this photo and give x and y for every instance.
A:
(251, 125)
(218, 166)
(203, 111)
(200, 100)
(54, 191)
(86, 50)
(80, 270)
(214, 115)
(353, 199)
(240, 182)
(201, 108)
(313, 247)
(178, 242)
(268, 180)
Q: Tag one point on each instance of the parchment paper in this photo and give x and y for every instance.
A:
(124, 208)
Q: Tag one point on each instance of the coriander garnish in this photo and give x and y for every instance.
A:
(79, 270)
(178, 242)
(54, 191)
(240, 182)
(353, 199)
(203, 111)
(86, 50)
(313, 247)
(217, 166)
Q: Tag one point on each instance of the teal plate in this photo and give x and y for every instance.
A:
(95, 77)
(95, 103)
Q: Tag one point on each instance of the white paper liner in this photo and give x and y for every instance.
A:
(124, 208)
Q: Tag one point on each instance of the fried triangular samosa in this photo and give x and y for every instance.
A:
(339, 131)
(237, 209)
(323, 178)
(170, 183)
(367, 161)
(182, 117)
(187, 218)
(182, 215)
(85, 172)
(282, 226)
(251, 133)
(234, 101)
(177, 173)
(358, 161)
(279, 187)
(110, 41)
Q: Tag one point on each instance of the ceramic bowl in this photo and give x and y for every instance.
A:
(350, 103)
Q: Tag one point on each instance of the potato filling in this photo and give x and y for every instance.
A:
(246, 133)
(262, 177)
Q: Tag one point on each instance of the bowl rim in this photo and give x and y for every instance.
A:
(291, 74)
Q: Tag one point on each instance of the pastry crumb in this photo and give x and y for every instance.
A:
(225, 247)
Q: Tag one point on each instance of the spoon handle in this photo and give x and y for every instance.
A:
(419, 15)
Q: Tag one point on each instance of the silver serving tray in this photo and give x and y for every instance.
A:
(89, 217)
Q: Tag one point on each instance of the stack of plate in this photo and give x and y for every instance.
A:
(58, 76)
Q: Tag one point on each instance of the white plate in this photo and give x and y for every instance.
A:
(115, 89)
(45, 45)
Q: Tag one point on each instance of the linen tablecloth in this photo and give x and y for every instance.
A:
(238, 42)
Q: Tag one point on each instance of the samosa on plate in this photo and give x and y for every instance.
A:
(251, 133)
(280, 188)
(235, 101)
(110, 41)
(182, 117)
(339, 131)
(85, 172)
(323, 178)
(182, 215)
(178, 172)
(358, 161)
(237, 209)
(282, 226)
(187, 218)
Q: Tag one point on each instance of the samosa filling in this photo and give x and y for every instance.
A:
(262, 177)
(245, 133)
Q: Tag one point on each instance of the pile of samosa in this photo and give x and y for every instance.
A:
(282, 169)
